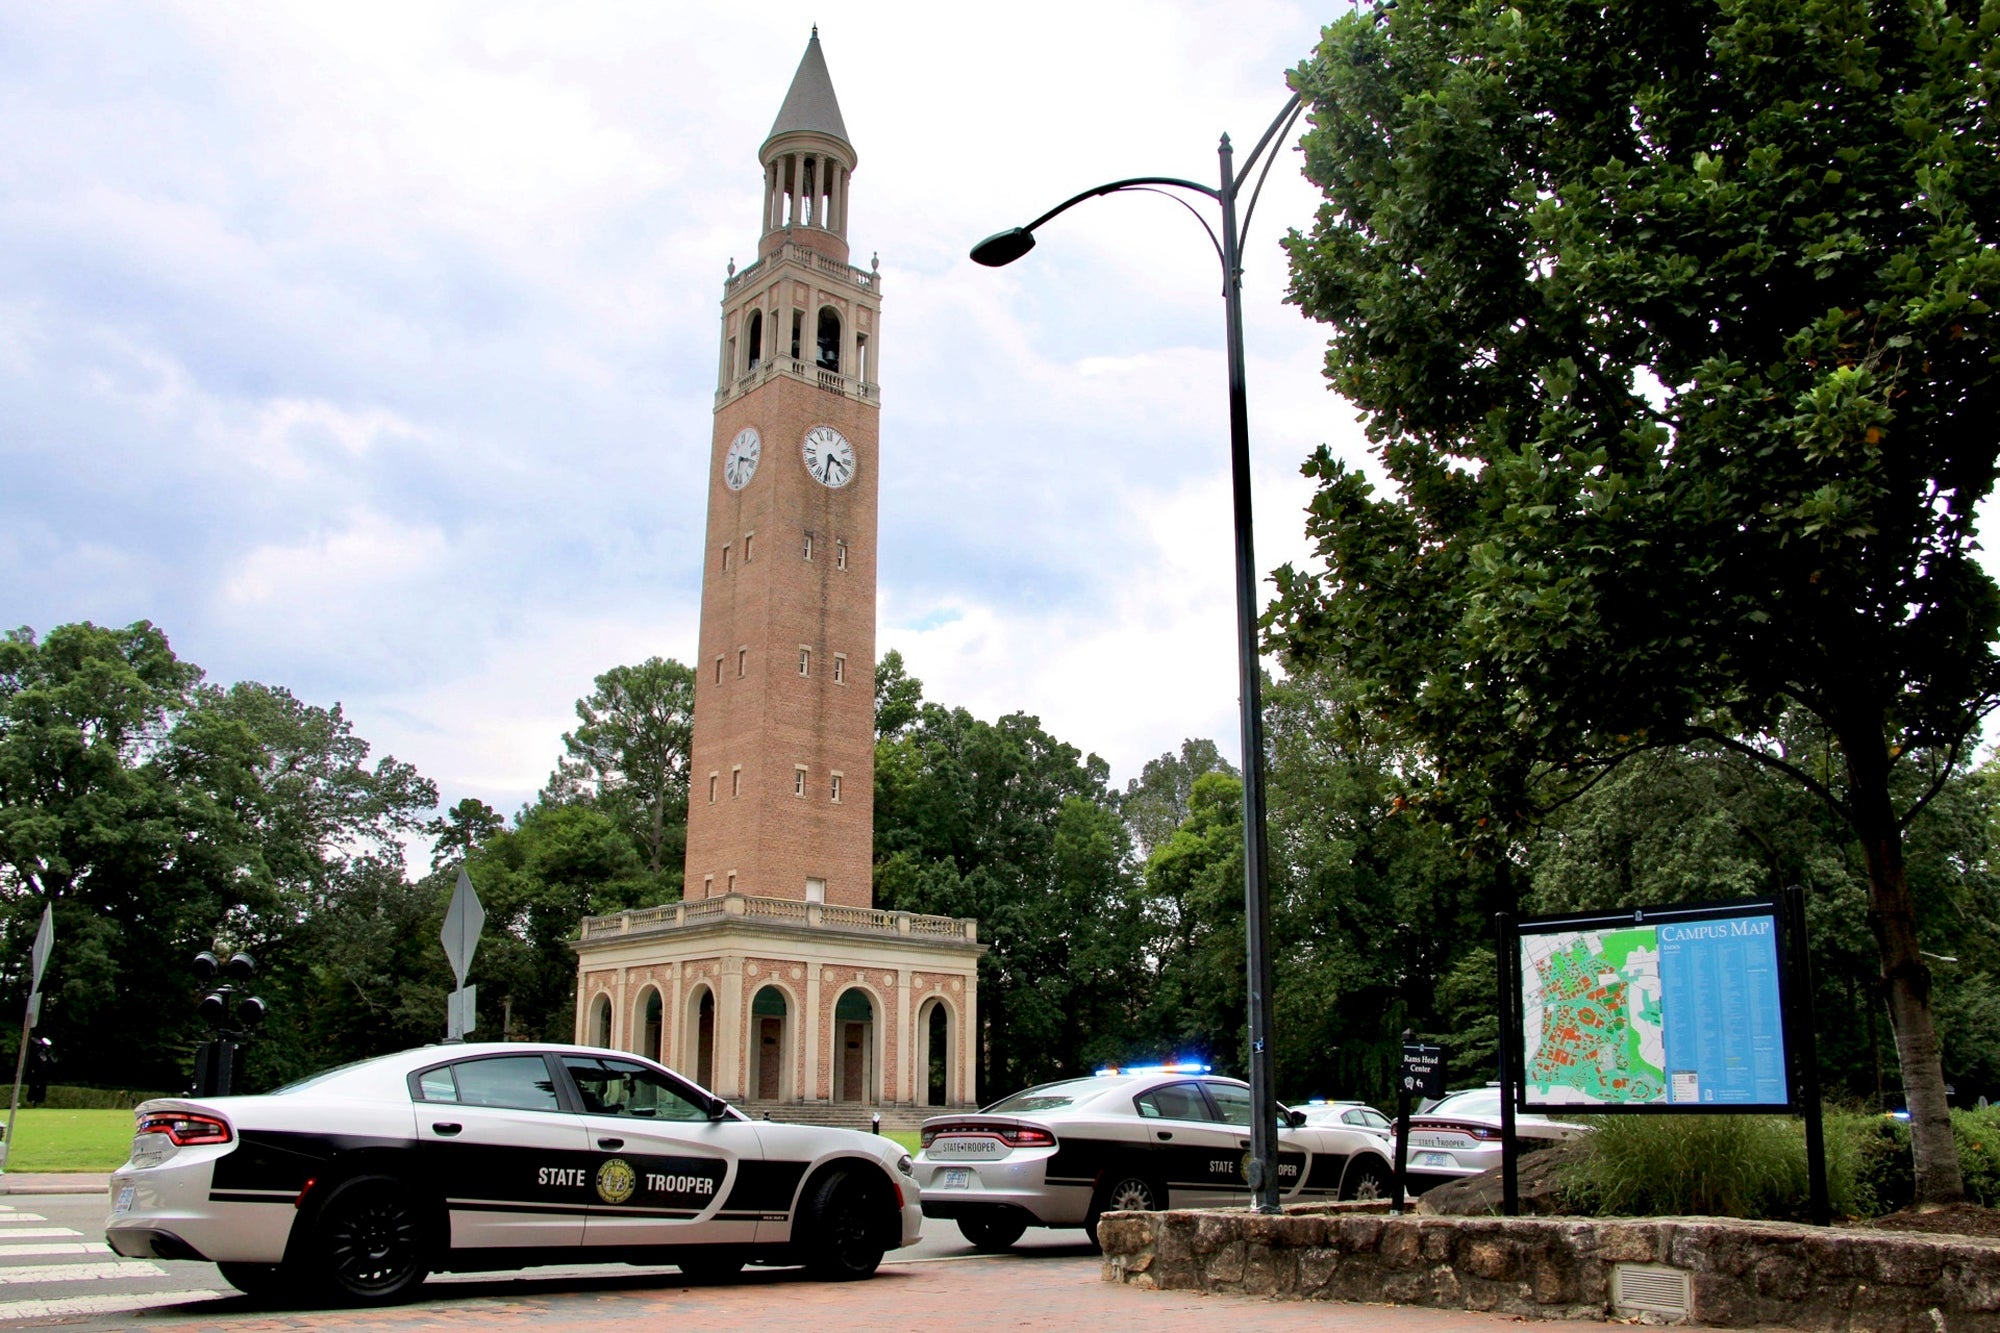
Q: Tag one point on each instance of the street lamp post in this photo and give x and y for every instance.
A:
(1004, 248)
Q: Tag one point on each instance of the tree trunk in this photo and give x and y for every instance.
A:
(1906, 981)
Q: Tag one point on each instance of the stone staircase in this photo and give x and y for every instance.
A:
(842, 1115)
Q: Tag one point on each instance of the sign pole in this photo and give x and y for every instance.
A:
(1402, 1129)
(1510, 1176)
(1805, 1047)
(45, 939)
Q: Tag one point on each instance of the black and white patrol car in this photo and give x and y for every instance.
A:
(354, 1184)
(1063, 1154)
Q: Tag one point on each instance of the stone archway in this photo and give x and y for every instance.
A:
(854, 1047)
(770, 1045)
(936, 1065)
(699, 1060)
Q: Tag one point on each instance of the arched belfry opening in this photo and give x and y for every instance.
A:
(829, 339)
(753, 338)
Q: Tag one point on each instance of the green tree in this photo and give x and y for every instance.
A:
(1156, 802)
(899, 696)
(1001, 821)
(1673, 328)
(630, 754)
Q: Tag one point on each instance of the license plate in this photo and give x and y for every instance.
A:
(956, 1179)
(1430, 1159)
(124, 1203)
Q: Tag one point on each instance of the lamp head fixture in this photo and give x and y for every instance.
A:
(1003, 247)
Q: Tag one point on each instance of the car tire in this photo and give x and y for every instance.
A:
(1367, 1178)
(255, 1279)
(702, 1269)
(843, 1239)
(370, 1242)
(1124, 1192)
(992, 1233)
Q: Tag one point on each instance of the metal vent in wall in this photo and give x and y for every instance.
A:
(1650, 1289)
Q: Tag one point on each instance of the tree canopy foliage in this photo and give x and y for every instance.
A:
(1673, 328)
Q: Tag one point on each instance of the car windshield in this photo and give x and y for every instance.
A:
(1056, 1096)
(1477, 1101)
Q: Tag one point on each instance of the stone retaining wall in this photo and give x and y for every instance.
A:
(1740, 1274)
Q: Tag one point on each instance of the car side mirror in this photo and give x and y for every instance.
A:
(1295, 1119)
(718, 1109)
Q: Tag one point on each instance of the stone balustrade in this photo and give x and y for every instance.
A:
(789, 913)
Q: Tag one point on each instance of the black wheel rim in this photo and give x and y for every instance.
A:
(847, 1234)
(374, 1244)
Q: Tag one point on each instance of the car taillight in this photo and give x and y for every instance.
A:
(184, 1129)
(1014, 1136)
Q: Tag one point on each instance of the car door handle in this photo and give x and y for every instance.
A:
(610, 1144)
(1164, 1134)
(446, 1127)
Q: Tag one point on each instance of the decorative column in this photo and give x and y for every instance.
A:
(729, 1028)
(968, 1042)
(671, 1008)
(906, 1040)
(812, 1034)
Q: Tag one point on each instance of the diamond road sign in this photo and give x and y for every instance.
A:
(463, 920)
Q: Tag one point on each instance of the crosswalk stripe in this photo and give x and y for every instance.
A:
(13, 1217)
(137, 1270)
(75, 1305)
(35, 1233)
(38, 1248)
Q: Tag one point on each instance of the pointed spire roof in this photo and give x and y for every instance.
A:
(810, 106)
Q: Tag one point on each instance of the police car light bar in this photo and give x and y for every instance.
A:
(1171, 1067)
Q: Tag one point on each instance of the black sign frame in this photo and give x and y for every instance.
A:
(1784, 946)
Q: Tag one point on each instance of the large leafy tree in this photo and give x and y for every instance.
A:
(630, 754)
(1673, 327)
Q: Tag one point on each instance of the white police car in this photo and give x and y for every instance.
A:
(354, 1184)
(1063, 1154)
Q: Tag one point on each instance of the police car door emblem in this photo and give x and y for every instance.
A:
(616, 1180)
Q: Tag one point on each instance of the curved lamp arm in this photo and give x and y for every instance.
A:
(1005, 247)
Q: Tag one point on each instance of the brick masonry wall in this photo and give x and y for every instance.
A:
(771, 718)
(1743, 1274)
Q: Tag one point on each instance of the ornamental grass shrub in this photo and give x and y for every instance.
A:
(1755, 1165)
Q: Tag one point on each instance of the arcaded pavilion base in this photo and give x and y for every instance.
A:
(773, 1000)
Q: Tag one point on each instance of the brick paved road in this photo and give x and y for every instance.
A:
(941, 1296)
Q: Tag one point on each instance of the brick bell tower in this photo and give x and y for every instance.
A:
(775, 981)
(783, 788)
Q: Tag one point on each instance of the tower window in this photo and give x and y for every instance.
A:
(829, 338)
(798, 780)
(809, 546)
(748, 537)
(736, 781)
(754, 335)
(732, 881)
(861, 357)
(805, 660)
(798, 330)
(742, 662)
(836, 788)
(840, 668)
(708, 886)
(815, 890)
(725, 557)
(713, 780)
(840, 555)
(718, 670)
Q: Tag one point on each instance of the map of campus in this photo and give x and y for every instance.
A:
(1675, 1012)
(1594, 1027)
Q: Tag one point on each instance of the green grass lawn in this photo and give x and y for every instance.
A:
(46, 1140)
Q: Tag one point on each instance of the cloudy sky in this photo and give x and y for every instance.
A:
(369, 349)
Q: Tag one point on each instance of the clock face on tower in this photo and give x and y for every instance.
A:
(740, 463)
(829, 457)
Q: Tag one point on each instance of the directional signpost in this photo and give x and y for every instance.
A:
(1423, 1076)
(463, 920)
(45, 940)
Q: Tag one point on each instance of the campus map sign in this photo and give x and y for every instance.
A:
(1654, 1009)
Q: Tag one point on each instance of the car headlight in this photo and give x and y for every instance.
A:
(903, 1165)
